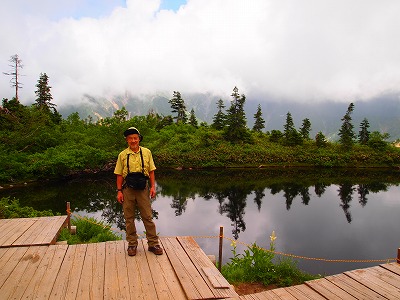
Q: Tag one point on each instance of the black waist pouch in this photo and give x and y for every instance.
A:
(136, 180)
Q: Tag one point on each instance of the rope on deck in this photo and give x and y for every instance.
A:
(388, 260)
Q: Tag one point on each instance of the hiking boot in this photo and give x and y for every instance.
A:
(132, 250)
(156, 250)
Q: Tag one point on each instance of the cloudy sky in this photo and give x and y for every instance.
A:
(303, 50)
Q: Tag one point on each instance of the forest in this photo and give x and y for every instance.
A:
(38, 143)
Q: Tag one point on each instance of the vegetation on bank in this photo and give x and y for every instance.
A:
(11, 208)
(37, 143)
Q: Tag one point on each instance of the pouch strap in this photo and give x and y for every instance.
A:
(141, 157)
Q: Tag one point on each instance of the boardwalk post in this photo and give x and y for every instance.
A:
(69, 216)
(221, 238)
(398, 255)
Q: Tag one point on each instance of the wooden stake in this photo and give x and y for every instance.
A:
(69, 216)
(221, 239)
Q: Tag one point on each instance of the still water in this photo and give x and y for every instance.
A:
(323, 214)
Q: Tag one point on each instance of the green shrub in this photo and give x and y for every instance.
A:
(258, 265)
(88, 230)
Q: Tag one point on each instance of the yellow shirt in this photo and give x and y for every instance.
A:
(135, 162)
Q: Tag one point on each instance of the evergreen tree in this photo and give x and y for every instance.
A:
(320, 140)
(236, 129)
(258, 120)
(346, 132)
(43, 94)
(178, 107)
(363, 134)
(290, 134)
(305, 129)
(192, 119)
(219, 119)
(44, 97)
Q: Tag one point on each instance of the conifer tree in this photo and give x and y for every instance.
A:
(290, 134)
(44, 98)
(320, 140)
(219, 119)
(192, 119)
(178, 107)
(363, 134)
(346, 132)
(258, 120)
(305, 129)
(236, 129)
(43, 94)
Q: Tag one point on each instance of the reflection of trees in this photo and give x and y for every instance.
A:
(319, 188)
(345, 193)
(259, 195)
(229, 187)
(234, 209)
(362, 192)
(290, 191)
(179, 203)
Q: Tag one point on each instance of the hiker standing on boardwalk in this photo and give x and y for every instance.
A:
(135, 175)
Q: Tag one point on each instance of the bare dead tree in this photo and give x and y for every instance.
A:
(16, 64)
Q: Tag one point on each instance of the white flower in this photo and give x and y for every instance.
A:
(273, 236)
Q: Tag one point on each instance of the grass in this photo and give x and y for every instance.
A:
(88, 230)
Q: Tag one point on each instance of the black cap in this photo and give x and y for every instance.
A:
(133, 130)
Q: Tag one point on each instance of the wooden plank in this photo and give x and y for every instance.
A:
(93, 270)
(165, 281)
(21, 275)
(32, 234)
(353, 287)
(66, 284)
(328, 289)
(45, 230)
(393, 267)
(16, 229)
(116, 282)
(303, 292)
(192, 282)
(46, 273)
(374, 283)
(283, 294)
(220, 287)
(385, 275)
(4, 225)
(9, 261)
(147, 289)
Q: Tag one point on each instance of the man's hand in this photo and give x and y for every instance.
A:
(152, 192)
(120, 197)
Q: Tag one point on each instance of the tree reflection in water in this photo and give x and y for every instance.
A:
(229, 187)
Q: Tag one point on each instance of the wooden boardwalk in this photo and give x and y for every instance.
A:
(105, 271)
(32, 267)
(30, 231)
(380, 282)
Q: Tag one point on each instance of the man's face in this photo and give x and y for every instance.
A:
(133, 141)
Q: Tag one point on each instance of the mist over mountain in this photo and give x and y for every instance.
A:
(382, 113)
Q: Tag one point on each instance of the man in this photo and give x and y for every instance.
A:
(136, 159)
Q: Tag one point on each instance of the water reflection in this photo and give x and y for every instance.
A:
(308, 208)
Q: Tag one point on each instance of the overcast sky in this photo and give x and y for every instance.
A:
(303, 50)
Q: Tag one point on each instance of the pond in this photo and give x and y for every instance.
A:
(333, 220)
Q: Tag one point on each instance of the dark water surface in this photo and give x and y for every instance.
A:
(328, 214)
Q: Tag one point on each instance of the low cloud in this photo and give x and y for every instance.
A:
(304, 51)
